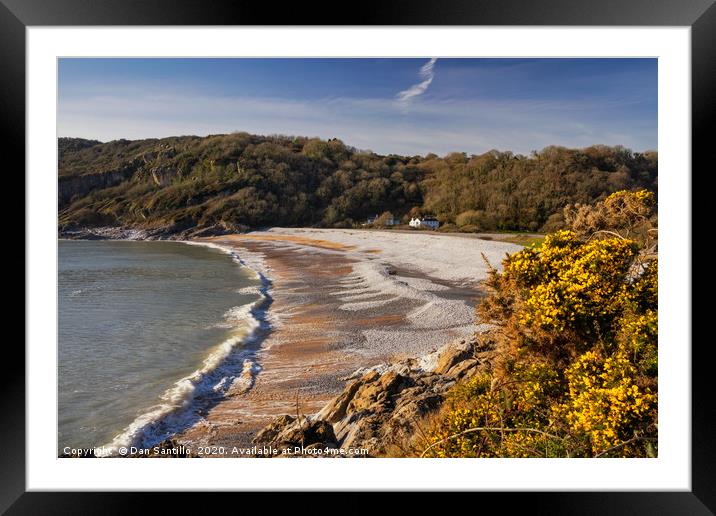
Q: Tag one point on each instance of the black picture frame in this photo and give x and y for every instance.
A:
(16, 15)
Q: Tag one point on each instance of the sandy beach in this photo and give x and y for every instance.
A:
(343, 301)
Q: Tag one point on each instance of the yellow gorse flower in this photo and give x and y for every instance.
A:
(568, 281)
(578, 374)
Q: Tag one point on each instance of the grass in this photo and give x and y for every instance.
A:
(523, 239)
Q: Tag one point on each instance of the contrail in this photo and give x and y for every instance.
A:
(427, 74)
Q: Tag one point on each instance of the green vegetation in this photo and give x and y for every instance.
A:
(524, 240)
(240, 180)
(576, 331)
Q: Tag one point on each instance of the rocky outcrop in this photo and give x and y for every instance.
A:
(108, 233)
(161, 151)
(71, 186)
(380, 410)
(150, 165)
(164, 175)
(294, 432)
(171, 232)
(223, 228)
(155, 162)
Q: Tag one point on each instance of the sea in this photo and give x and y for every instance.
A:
(150, 332)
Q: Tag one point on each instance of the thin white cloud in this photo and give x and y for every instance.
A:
(427, 73)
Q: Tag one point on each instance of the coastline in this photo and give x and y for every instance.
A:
(342, 303)
(229, 366)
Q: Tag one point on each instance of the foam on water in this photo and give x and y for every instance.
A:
(229, 367)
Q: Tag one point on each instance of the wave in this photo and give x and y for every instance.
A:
(235, 316)
(249, 290)
(230, 367)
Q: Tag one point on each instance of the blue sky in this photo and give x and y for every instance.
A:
(402, 106)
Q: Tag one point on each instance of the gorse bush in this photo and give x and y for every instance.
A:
(572, 286)
(576, 331)
(622, 214)
(605, 402)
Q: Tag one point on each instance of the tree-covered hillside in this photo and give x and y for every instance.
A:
(241, 180)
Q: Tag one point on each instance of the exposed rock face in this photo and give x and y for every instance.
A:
(292, 432)
(71, 186)
(162, 176)
(456, 353)
(223, 228)
(170, 232)
(150, 164)
(155, 162)
(381, 409)
(160, 151)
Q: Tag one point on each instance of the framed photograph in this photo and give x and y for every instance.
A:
(422, 253)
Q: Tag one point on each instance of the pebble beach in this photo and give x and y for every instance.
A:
(342, 301)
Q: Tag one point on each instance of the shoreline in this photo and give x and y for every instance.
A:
(339, 306)
(230, 365)
(334, 304)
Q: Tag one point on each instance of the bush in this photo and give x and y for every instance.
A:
(382, 220)
(576, 338)
(470, 218)
(89, 218)
(448, 228)
(573, 286)
(469, 229)
(623, 214)
(554, 222)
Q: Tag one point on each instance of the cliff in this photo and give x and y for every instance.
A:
(69, 187)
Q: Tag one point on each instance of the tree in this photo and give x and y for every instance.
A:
(385, 219)
(492, 191)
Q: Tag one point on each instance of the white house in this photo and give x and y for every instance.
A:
(425, 222)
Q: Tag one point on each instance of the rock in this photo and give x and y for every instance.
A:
(380, 410)
(453, 353)
(163, 175)
(307, 433)
(273, 429)
(464, 368)
(289, 431)
(222, 228)
(336, 410)
(69, 187)
(375, 394)
(180, 230)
